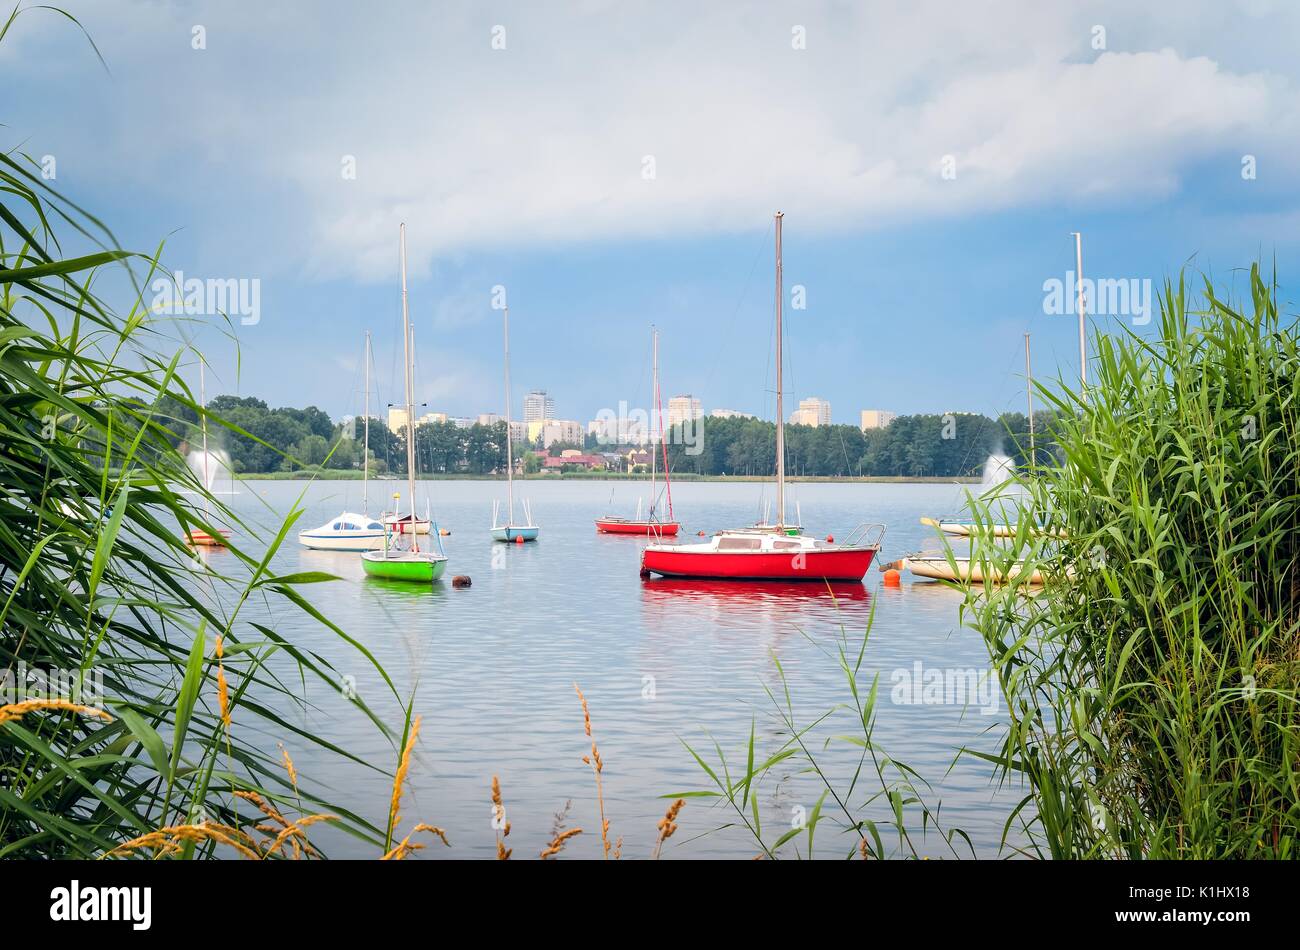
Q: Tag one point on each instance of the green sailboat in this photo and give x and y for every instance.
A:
(407, 563)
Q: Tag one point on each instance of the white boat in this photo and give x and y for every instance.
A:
(938, 566)
(401, 524)
(965, 529)
(348, 531)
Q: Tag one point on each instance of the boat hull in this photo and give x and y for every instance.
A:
(424, 570)
(963, 570)
(515, 532)
(341, 542)
(203, 539)
(666, 529)
(846, 564)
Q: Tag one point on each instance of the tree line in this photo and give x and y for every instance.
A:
(290, 439)
(950, 445)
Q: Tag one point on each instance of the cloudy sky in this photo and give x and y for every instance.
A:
(616, 165)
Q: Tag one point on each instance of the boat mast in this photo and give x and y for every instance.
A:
(1083, 337)
(510, 459)
(410, 397)
(1029, 397)
(659, 429)
(659, 402)
(780, 405)
(203, 417)
(365, 455)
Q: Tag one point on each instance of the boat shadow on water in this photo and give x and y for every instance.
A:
(789, 600)
(411, 591)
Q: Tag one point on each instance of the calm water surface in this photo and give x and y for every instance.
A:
(492, 668)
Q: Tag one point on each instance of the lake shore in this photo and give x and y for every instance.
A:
(352, 475)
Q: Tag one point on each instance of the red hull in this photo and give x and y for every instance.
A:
(201, 538)
(847, 565)
(619, 526)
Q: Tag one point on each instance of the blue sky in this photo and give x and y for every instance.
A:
(525, 167)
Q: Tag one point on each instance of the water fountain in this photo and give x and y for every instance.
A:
(998, 468)
(207, 470)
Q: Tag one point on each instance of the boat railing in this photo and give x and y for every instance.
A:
(867, 534)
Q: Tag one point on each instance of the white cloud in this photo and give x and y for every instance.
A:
(544, 141)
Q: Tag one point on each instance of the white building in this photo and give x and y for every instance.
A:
(876, 418)
(730, 414)
(538, 406)
(551, 431)
(812, 412)
(683, 409)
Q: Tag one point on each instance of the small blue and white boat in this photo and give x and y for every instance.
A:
(511, 531)
(347, 531)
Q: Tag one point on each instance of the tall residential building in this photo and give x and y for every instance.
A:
(812, 412)
(876, 418)
(683, 409)
(538, 406)
(397, 418)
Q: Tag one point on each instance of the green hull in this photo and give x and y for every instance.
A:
(421, 570)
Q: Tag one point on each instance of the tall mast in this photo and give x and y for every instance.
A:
(1029, 396)
(203, 417)
(654, 448)
(365, 455)
(663, 443)
(1083, 336)
(780, 403)
(410, 396)
(510, 459)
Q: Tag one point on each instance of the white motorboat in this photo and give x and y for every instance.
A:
(348, 531)
(936, 565)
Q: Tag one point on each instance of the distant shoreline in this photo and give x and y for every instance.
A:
(352, 475)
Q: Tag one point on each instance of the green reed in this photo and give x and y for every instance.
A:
(95, 575)
(879, 810)
(1152, 683)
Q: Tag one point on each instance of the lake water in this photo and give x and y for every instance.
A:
(492, 668)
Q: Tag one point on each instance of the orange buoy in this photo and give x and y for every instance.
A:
(700, 534)
(519, 539)
(893, 578)
(461, 580)
(830, 539)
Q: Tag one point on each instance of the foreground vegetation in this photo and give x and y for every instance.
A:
(96, 579)
(1153, 691)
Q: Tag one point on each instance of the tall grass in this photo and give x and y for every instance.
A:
(95, 576)
(1152, 686)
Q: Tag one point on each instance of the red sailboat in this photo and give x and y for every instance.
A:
(769, 552)
(652, 525)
